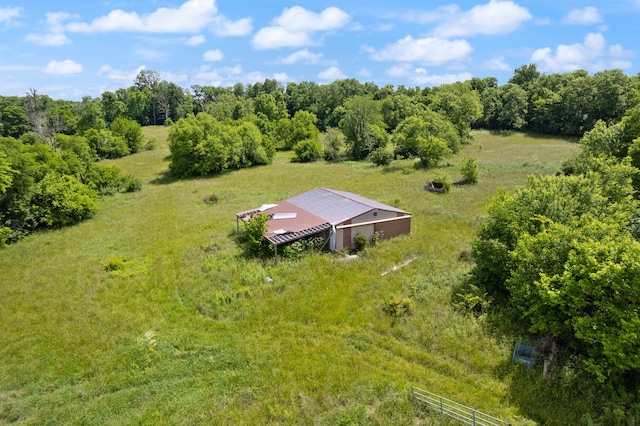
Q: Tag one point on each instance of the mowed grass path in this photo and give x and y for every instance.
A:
(190, 332)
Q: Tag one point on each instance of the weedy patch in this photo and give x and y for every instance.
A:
(121, 266)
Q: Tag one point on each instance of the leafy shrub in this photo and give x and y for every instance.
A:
(298, 248)
(398, 306)
(61, 200)
(376, 238)
(307, 150)
(360, 241)
(446, 183)
(107, 145)
(5, 234)
(381, 157)
(469, 170)
(108, 180)
(130, 131)
(253, 236)
(332, 141)
(150, 144)
(130, 183)
(432, 150)
(471, 299)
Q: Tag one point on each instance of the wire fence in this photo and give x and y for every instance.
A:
(457, 411)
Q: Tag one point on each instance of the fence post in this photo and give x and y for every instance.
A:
(441, 410)
(474, 417)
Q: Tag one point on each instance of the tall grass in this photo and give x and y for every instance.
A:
(149, 313)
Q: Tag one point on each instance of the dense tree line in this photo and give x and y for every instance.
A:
(48, 172)
(559, 263)
(220, 128)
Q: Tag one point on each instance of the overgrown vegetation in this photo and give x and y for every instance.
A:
(558, 258)
(187, 329)
(555, 259)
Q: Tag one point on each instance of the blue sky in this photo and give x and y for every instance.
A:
(70, 49)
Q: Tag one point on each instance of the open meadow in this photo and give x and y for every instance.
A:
(149, 313)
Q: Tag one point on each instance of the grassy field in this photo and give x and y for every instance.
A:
(184, 330)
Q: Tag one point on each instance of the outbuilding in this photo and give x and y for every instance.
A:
(337, 216)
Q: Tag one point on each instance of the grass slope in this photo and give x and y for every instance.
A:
(184, 330)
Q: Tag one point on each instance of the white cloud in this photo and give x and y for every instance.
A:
(591, 55)
(213, 55)
(331, 74)
(420, 76)
(53, 39)
(364, 72)
(120, 75)
(191, 16)
(9, 14)
(402, 70)
(495, 17)
(277, 37)
(296, 26)
(196, 40)
(299, 19)
(497, 64)
(64, 68)
(588, 15)
(55, 20)
(55, 35)
(302, 56)
(228, 76)
(229, 28)
(428, 51)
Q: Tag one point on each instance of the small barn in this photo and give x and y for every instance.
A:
(336, 216)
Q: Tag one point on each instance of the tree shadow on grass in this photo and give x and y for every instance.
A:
(569, 397)
(164, 178)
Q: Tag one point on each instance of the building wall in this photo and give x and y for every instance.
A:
(394, 228)
(344, 236)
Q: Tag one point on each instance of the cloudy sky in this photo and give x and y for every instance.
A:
(69, 49)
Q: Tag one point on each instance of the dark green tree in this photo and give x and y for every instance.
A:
(360, 125)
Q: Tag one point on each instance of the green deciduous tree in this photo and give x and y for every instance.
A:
(581, 285)
(413, 129)
(104, 144)
(61, 200)
(202, 145)
(361, 126)
(307, 150)
(458, 103)
(432, 150)
(332, 141)
(303, 126)
(6, 173)
(130, 131)
(14, 121)
(558, 257)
